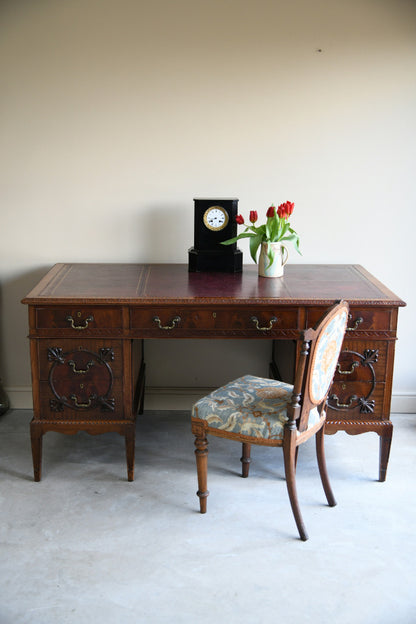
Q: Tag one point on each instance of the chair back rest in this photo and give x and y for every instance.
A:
(320, 352)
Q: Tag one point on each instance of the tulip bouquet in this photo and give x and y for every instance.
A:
(276, 229)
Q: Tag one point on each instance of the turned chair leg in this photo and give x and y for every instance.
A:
(320, 453)
(245, 459)
(201, 455)
(289, 454)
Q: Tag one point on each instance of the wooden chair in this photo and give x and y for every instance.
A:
(253, 410)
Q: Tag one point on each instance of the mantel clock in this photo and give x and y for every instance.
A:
(214, 222)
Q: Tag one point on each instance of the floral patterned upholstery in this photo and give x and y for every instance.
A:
(251, 406)
(326, 355)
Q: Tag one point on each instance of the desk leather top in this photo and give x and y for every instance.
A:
(135, 284)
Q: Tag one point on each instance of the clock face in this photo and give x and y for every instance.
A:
(215, 218)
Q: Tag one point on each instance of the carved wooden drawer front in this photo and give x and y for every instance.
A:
(171, 322)
(81, 408)
(78, 321)
(357, 362)
(168, 322)
(360, 319)
(359, 380)
(80, 381)
(355, 400)
(258, 321)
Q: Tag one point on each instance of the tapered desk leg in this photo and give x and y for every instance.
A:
(130, 439)
(36, 434)
(385, 445)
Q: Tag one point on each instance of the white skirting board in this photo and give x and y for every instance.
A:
(167, 398)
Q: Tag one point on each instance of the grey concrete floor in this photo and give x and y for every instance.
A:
(84, 545)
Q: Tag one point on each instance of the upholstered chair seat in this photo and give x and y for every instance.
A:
(250, 406)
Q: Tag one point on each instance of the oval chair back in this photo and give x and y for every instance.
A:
(320, 351)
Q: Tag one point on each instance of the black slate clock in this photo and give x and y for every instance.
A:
(214, 222)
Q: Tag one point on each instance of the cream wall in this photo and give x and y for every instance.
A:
(114, 114)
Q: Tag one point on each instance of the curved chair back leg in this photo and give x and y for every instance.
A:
(320, 453)
(289, 454)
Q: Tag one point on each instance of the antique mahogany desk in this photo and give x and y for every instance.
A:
(88, 322)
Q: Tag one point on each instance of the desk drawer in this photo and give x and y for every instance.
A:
(360, 319)
(355, 400)
(169, 322)
(83, 404)
(358, 362)
(220, 321)
(75, 356)
(258, 321)
(79, 321)
(84, 379)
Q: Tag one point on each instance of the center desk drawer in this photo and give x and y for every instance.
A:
(170, 322)
(245, 321)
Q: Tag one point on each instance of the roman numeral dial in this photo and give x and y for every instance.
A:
(216, 218)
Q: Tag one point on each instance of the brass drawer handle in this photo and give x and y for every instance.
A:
(356, 324)
(70, 320)
(348, 372)
(272, 321)
(80, 371)
(334, 397)
(75, 400)
(175, 320)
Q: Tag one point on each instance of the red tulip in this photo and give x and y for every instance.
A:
(253, 216)
(285, 210)
(271, 211)
(239, 219)
(289, 208)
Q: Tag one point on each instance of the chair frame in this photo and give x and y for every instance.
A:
(295, 432)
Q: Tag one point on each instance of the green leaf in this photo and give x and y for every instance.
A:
(254, 245)
(230, 241)
(275, 229)
(270, 255)
(269, 225)
(285, 229)
(293, 237)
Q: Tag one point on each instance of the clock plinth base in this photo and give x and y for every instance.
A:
(227, 262)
